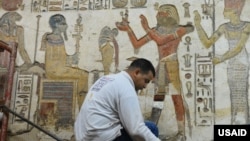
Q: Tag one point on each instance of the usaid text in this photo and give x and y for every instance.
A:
(241, 132)
(232, 132)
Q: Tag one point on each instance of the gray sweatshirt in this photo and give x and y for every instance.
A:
(110, 105)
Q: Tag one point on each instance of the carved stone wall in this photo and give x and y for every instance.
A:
(94, 46)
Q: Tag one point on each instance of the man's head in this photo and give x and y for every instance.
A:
(58, 24)
(8, 23)
(167, 15)
(234, 5)
(142, 72)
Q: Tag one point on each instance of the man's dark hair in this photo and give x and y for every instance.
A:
(55, 19)
(144, 64)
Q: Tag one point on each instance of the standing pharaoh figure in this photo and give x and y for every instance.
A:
(236, 32)
(56, 57)
(167, 34)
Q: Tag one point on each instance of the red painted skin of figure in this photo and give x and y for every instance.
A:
(167, 35)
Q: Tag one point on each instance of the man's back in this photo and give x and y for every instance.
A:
(99, 116)
(111, 110)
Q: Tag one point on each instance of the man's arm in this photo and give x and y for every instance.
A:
(22, 50)
(132, 119)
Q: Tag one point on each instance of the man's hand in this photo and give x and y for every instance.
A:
(197, 18)
(189, 27)
(144, 23)
(124, 24)
(216, 60)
